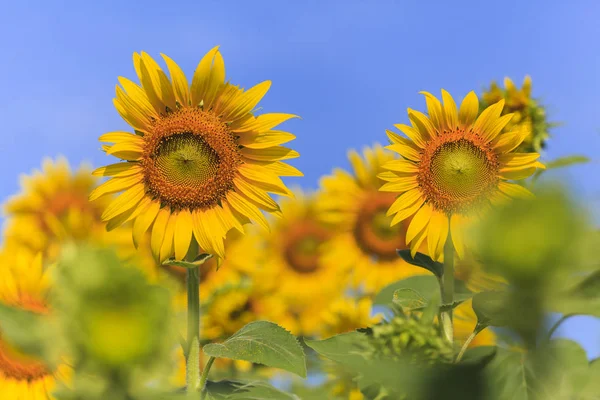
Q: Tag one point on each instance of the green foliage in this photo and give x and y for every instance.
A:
(423, 261)
(561, 162)
(265, 343)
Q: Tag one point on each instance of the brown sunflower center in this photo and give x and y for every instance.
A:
(372, 230)
(302, 246)
(457, 171)
(17, 365)
(190, 159)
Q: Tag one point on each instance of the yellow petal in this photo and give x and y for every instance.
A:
(120, 169)
(214, 233)
(514, 190)
(114, 185)
(401, 166)
(405, 151)
(407, 212)
(403, 201)
(276, 153)
(254, 140)
(246, 102)
(509, 141)
(456, 228)
(130, 112)
(208, 78)
(158, 231)
(166, 249)
(246, 208)
(422, 123)
(488, 118)
(264, 179)
(469, 108)
(434, 109)
(450, 110)
(401, 185)
(231, 219)
(278, 168)
(437, 234)
(183, 233)
(125, 201)
(517, 173)
(413, 134)
(416, 243)
(261, 123)
(158, 81)
(148, 85)
(126, 151)
(118, 137)
(200, 233)
(418, 223)
(138, 97)
(511, 160)
(258, 196)
(143, 221)
(497, 127)
(180, 83)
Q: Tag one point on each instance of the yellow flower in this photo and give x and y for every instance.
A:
(24, 285)
(455, 166)
(199, 164)
(53, 208)
(364, 242)
(464, 323)
(292, 252)
(526, 112)
(341, 315)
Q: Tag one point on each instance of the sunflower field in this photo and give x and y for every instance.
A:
(194, 261)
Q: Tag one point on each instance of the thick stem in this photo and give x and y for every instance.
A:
(193, 318)
(478, 328)
(447, 287)
(204, 378)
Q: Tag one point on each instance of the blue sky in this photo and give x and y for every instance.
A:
(348, 68)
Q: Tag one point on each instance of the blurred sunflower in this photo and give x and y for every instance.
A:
(292, 252)
(464, 323)
(53, 208)
(341, 315)
(364, 242)
(25, 285)
(455, 165)
(199, 164)
(526, 111)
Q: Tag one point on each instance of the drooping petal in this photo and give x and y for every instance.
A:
(258, 196)
(456, 228)
(143, 222)
(407, 212)
(126, 200)
(246, 208)
(158, 231)
(166, 249)
(183, 233)
(419, 222)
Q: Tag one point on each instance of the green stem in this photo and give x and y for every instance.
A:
(204, 377)
(478, 328)
(193, 331)
(447, 287)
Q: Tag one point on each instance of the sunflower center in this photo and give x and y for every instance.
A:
(302, 246)
(372, 230)
(190, 159)
(16, 364)
(457, 171)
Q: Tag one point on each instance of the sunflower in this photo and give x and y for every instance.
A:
(24, 285)
(200, 162)
(293, 254)
(455, 165)
(364, 242)
(53, 208)
(464, 323)
(341, 315)
(526, 111)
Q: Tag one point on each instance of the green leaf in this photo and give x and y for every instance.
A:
(561, 162)
(265, 343)
(244, 390)
(424, 287)
(480, 355)
(423, 261)
(409, 299)
(342, 348)
(201, 259)
(583, 298)
(490, 308)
